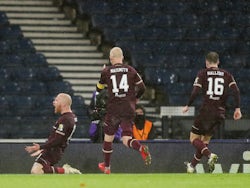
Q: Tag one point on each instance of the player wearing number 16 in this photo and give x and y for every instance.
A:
(215, 84)
(125, 87)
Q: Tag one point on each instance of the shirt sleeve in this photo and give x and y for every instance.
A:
(196, 89)
(58, 136)
(236, 92)
(57, 140)
(101, 84)
(140, 86)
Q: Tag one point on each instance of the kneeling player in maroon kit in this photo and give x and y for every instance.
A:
(215, 84)
(125, 87)
(51, 152)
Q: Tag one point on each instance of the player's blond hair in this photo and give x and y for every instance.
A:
(116, 52)
(65, 98)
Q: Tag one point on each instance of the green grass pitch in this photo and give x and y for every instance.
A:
(125, 181)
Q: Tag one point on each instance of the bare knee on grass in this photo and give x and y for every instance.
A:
(37, 168)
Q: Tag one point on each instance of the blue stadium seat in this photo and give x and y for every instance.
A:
(55, 87)
(78, 101)
(123, 6)
(143, 33)
(37, 88)
(176, 33)
(186, 75)
(197, 61)
(23, 74)
(132, 20)
(109, 20)
(228, 33)
(243, 84)
(4, 107)
(245, 101)
(174, 6)
(21, 105)
(48, 74)
(200, 33)
(152, 76)
(33, 87)
(246, 33)
(163, 47)
(44, 106)
(119, 34)
(34, 60)
(3, 19)
(78, 105)
(192, 47)
(164, 20)
(229, 5)
(233, 61)
(4, 33)
(9, 127)
(168, 77)
(144, 59)
(35, 127)
(180, 61)
(190, 19)
(11, 32)
(239, 19)
(220, 46)
(177, 99)
(23, 45)
(92, 7)
(180, 88)
(10, 60)
(241, 47)
(4, 74)
(11, 88)
(4, 47)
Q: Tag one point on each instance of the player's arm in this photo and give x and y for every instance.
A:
(59, 137)
(140, 89)
(33, 148)
(100, 87)
(140, 86)
(196, 90)
(236, 93)
(57, 140)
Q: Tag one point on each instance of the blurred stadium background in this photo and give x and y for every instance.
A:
(51, 46)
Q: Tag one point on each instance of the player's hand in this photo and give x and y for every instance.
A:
(185, 109)
(31, 149)
(137, 100)
(36, 153)
(237, 114)
(104, 66)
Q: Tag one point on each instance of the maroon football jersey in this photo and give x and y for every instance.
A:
(215, 84)
(62, 132)
(122, 81)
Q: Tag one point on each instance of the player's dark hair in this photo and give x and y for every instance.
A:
(212, 57)
(138, 106)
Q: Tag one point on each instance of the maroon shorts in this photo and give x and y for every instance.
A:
(50, 157)
(119, 115)
(208, 121)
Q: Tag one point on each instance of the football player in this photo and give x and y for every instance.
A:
(215, 84)
(125, 87)
(49, 153)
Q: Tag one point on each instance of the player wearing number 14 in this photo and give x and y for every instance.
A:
(215, 84)
(125, 87)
